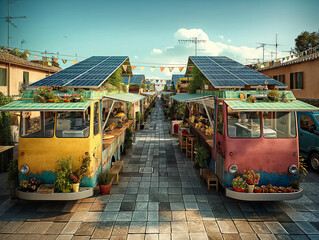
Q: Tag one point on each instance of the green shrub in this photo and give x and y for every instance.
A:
(63, 171)
(5, 122)
(202, 156)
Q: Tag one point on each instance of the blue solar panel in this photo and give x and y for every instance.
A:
(91, 72)
(137, 79)
(224, 72)
(175, 77)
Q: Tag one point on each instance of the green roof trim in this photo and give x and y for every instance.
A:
(187, 97)
(29, 105)
(126, 97)
(167, 93)
(270, 106)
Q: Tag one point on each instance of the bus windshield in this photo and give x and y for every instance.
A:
(243, 124)
(279, 125)
(73, 124)
(37, 124)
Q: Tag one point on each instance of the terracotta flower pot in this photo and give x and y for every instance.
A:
(105, 189)
(238, 189)
(75, 187)
(251, 188)
(66, 100)
(51, 100)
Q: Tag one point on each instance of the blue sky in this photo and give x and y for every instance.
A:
(148, 31)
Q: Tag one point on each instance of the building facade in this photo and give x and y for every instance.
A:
(15, 73)
(300, 75)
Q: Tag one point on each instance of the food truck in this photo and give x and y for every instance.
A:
(74, 122)
(260, 136)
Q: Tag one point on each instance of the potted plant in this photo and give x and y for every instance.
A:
(24, 185)
(252, 179)
(105, 182)
(251, 99)
(49, 96)
(66, 99)
(63, 171)
(258, 190)
(32, 184)
(202, 156)
(273, 95)
(239, 184)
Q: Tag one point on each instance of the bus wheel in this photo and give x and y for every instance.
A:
(314, 161)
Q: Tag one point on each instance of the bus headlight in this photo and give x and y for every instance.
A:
(233, 169)
(24, 169)
(293, 169)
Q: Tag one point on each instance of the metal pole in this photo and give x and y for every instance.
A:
(108, 115)
(276, 46)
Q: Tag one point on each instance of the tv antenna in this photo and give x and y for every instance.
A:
(8, 19)
(262, 45)
(195, 41)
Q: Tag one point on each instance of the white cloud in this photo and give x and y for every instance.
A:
(229, 40)
(135, 57)
(156, 51)
(221, 36)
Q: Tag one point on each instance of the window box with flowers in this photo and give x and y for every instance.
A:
(251, 179)
(239, 184)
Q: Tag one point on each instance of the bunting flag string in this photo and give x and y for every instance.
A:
(64, 61)
(181, 69)
(152, 69)
(124, 67)
(73, 62)
(162, 69)
(189, 68)
(142, 68)
(55, 59)
(171, 69)
(133, 67)
(35, 57)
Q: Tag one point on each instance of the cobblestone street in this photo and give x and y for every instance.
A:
(170, 203)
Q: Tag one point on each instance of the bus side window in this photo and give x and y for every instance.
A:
(220, 120)
(96, 118)
(307, 124)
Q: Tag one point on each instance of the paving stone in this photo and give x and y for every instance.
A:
(41, 228)
(124, 216)
(55, 228)
(92, 217)
(276, 228)
(16, 236)
(195, 226)
(109, 216)
(180, 236)
(135, 236)
(243, 227)
(120, 228)
(64, 237)
(248, 236)
(139, 216)
(32, 237)
(26, 227)
(231, 236)
(259, 228)
(103, 230)
(227, 227)
(11, 227)
(179, 227)
(71, 228)
(264, 236)
(307, 228)
(179, 215)
(152, 227)
(137, 227)
(86, 229)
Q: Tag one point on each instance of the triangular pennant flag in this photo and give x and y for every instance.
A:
(162, 69)
(189, 68)
(28, 55)
(156, 81)
(125, 67)
(305, 53)
(181, 69)
(74, 62)
(171, 69)
(35, 57)
(283, 59)
(288, 58)
(292, 56)
(310, 50)
(142, 68)
(297, 55)
(152, 69)
(133, 67)
(55, 59)
(64, 61)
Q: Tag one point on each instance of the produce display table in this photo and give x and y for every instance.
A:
(6, 154)
(116, 132)
(207, 138)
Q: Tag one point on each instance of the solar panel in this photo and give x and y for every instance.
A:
(137, 79)
(91, 72)
(224, 72)
(175, 77)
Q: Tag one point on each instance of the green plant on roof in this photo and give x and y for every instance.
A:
(143, 86)
(44, 90)
(251, 99)
(198, 80)
(283, 97)
(134, 85)
(49, 95)
(124, 87)
(273, 95)
(65, 89)
(116, 78)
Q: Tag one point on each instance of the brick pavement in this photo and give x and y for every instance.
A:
(171, 203)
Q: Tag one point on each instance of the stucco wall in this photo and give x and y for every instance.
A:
(16, 78)
(310, 77)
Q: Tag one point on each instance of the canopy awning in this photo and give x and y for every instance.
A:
(149, 93)
(187, 97)
(126, 97)
(167, 93)
(29, 105)
(270, 106)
